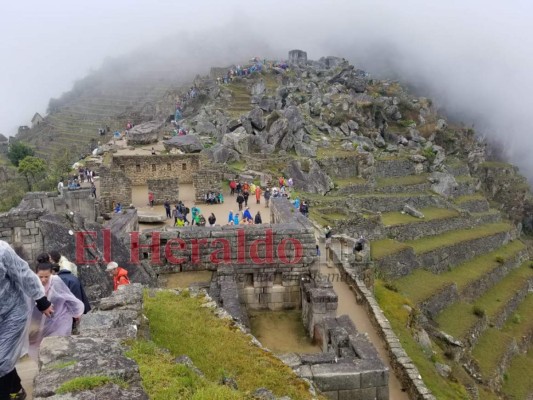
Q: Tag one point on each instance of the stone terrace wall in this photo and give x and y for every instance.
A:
(22, 230)
(115, 187)
(206, 181)
(395, 167)
(141, 168)
(266, 280)
(97, 351)
(164, 189)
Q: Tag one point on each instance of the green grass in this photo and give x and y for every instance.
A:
(344, 182)
(519, 384)
(407, 180)
(468, 198)
(238, 166)
(380, 249)
(464, 179)
(489, 350)
(459, 317)
(430, 243)
(495, 164)
(519, 327)
(398, 218)
(61, 365)
(392, 305)
(87, 383)
(216, 347)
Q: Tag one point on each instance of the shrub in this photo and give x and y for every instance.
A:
(406, 123)
(430, 154)
(391, 286)
(500, 260)
(478, 311)
(517, 318)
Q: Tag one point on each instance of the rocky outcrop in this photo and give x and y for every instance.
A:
(185, 143)
(315, 180)
(97, 352)
(145, 133)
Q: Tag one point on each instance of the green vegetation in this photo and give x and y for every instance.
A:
(216, 347)
(495, 164)
(393, 306)
(430, 243)
(406, 123)
(380, 249)
(87, 383)
(488, 350)
(61, 365)
(407, 180)
(344, 182)
(18, 151)
(398, 218)
(237, 166)
(421, 284)
(519, 384)
(468, 198)
(430, 154)
(240, 99)
(33, 169)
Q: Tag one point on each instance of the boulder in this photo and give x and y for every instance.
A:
(305, 150)
(222, 154)
(443, 183)
(145, 133)
(185, 143)
(313, 181)
(277, 131)
(237, 140)
(443, 370)
(256, 118)
(267, 104)
(258, 90)
(234, 124)
(412, 211)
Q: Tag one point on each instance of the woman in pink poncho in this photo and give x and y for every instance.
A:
(66, 306)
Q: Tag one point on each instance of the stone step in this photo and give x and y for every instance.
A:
(514, 337)
(468, 281)
(438, 253)
(467, 320)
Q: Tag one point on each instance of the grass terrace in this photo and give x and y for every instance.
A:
(344, 182)
(407, 180)
(380, 249)
(421, 284)
(430, 243)
(399, 218)
(468, 198)
(180, 324)
(518, 383)
(459, 317)
(488, 351)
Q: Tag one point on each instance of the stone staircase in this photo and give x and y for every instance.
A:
(462, 266)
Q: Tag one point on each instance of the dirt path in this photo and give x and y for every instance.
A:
(27, 369)
(357, 313)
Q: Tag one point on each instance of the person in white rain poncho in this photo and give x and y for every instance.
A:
(17, 281)
(66, 306)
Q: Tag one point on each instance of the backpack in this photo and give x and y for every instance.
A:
(187, 211)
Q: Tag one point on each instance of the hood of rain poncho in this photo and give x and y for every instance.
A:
(18, 286)
(66, 306)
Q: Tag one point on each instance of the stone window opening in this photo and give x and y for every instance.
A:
(154, 167)
(145, 256)
(138, 168)
(184, 167)
(169, 166)
(249, 280)
(122, 168)
(278, 278)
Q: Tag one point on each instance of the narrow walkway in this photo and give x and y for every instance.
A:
(357, 313)
(27, 370)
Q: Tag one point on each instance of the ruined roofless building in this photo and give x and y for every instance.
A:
(297, 57)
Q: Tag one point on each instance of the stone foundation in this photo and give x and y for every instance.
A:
(206, 181)
(115, 187)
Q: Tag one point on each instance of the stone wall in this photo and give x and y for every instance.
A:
(79, 200)
(141, 168)
(97, 351)
(22, 230)
(398, 264)
(384, 203)
(443, 298)
(319, 301)
(164, 189)
(115, 187)
(348, 368)
(206, 181)
(395, 167)
(268, 276)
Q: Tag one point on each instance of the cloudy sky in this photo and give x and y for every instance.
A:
(473, 57)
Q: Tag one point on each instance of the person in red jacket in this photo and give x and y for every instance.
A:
(120, 275)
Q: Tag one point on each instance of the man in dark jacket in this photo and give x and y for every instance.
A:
(75, 287)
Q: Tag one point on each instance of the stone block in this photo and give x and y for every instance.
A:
(375, 378)
(382, 393)
(359, 394)
(331, 395)
(329, 377)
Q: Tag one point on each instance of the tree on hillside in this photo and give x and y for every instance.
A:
(18, 151)
(33, 169)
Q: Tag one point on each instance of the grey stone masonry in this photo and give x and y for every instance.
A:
(395, 167)
(164, 189)
(115, 187)
(22, 230)
(161, 166)
(349, 367)
(269, 260)
(206, 181)
(97, 351)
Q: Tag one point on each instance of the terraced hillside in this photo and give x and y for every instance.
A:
(75, 123)
(455, 284)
